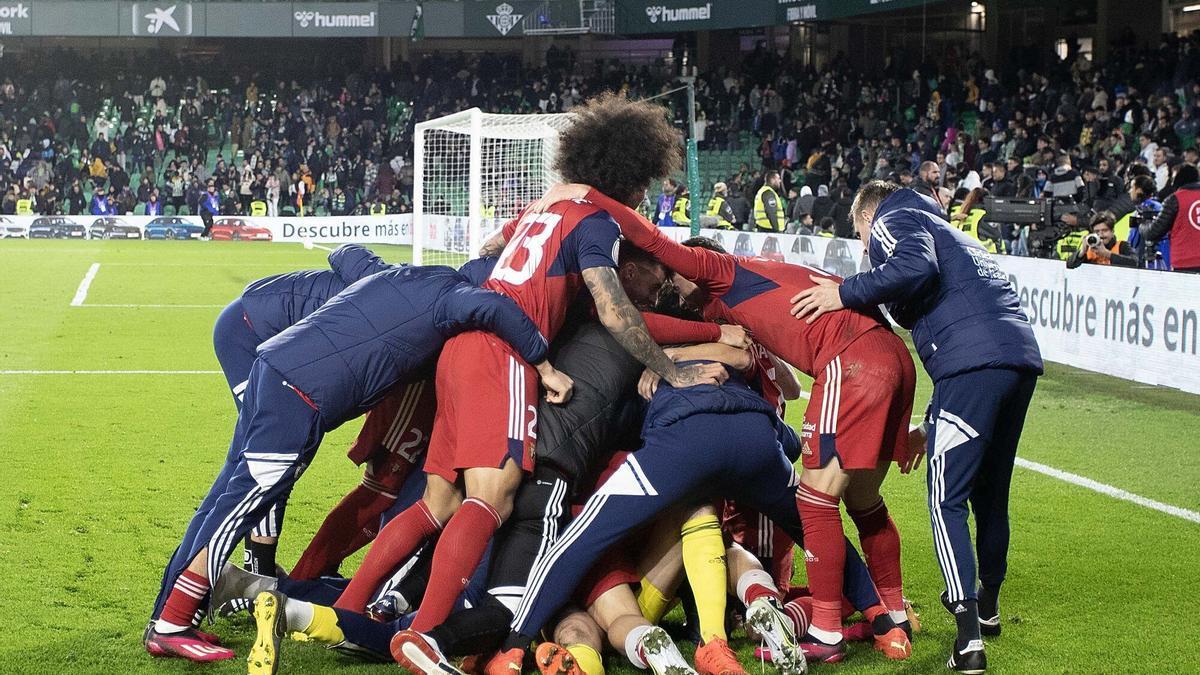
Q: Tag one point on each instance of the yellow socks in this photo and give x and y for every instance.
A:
(587, 659)
(704, 561)
(324, 626)
(652, 602)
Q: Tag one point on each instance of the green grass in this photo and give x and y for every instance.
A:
(101, 472)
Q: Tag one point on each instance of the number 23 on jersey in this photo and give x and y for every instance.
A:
(523, 255)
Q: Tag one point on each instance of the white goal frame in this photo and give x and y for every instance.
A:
(479, 127)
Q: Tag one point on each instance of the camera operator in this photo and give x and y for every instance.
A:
(1180, 221)
(1135, 201)
(1102, 247)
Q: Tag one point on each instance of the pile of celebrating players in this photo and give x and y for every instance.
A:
(584, 426)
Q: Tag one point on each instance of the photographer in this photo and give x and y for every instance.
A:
(1102, 247)
(1139, 198)
(1179, 221)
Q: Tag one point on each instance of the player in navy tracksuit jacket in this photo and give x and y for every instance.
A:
(717, 440)
(979, 349)
(270, 305)
(328, 368)
(266, 308)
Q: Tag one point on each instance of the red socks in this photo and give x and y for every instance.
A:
(395, 542)
(799, 610)
(190, 589)
(881, 546)
(348, 527)
(824, 557)
(457, 555)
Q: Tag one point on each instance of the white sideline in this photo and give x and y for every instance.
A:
(81, 292)
(110, 372)
(1114, 492)
(152, 305)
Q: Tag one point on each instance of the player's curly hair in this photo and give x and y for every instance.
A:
(618, 146)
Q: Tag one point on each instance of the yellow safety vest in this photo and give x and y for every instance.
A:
(679, 214)
(1122, 227)
(24, 207)
(378, 209)
(1070, 243)
(760, 209)
(971, 227)
(258, 208)
(714, 209)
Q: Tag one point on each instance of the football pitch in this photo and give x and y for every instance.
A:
(114, 418)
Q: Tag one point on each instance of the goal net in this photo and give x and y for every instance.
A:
(473, 172)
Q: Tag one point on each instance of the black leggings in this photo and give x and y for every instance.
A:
(541, 510)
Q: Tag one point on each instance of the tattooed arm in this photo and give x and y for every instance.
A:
(493, 246)
(625, 323)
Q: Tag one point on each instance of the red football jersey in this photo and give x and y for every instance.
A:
(542, 263)
(762, 375)
(755, 293)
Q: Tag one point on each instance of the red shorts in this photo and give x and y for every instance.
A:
(486, 407)
(860, 405)
(762, 538)
(395, 435)
(615, 567)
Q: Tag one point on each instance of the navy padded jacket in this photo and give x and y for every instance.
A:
(943, 286)
(385, 328)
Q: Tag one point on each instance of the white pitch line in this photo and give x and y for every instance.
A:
(81, 292)
(110, 372)
(1114, 492)
(323, 248)
(151, 305)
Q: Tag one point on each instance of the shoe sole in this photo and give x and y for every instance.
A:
(416, 656)
(914, 619)
(989, 627)
(269, 621)
(765, 621)
(553, 659)
(658, 640)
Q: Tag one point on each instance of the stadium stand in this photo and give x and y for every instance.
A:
(340, 142)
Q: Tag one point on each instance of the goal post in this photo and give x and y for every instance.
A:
(474, 171)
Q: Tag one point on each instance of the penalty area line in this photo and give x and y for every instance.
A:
(82, 291)
(1114, 492)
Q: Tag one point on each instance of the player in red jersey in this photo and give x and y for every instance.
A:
(486, 397)
(390, 447)
(857, 415)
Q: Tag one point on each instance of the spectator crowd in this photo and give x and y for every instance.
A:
(1117, 138)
